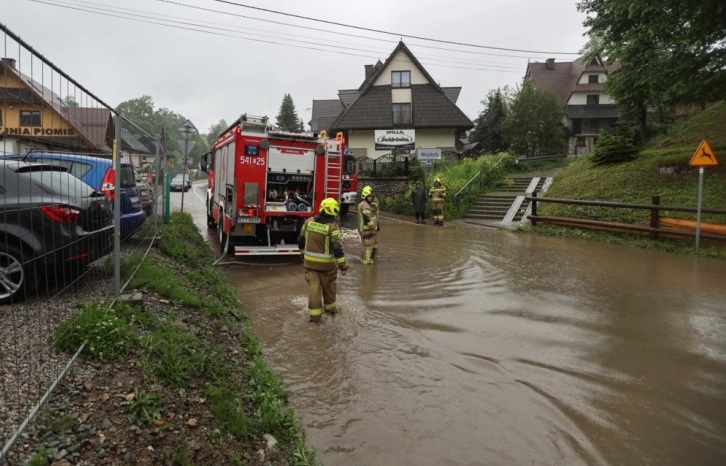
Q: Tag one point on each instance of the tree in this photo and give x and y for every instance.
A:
(287, 118)
(215, 131)
(674, 49)
(141, 112)
(534, 124)
(70, 101)
(488, 129)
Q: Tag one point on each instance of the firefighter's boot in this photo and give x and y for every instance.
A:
(331, 309)
(315, 315)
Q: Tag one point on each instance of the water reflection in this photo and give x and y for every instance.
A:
(465, 346)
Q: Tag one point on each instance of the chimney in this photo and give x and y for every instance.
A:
(10, 62)
(550, 63)
(369, 71)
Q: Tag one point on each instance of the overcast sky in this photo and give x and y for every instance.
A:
(246, 59)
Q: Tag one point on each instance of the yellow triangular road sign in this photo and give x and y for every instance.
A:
(704, 156)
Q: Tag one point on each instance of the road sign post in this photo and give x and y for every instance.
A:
(186, 129)
(703, 157)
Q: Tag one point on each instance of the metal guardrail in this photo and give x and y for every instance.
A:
(475, 177)
(540, 158)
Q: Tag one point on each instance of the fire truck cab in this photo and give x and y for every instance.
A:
(264, 183)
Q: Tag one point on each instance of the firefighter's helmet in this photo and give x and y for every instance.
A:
(437, 181)
(367, 191)
(329, 206)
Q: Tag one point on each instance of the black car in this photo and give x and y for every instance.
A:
(50, 223)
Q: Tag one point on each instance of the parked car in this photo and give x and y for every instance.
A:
(51, 222)
(180, 183)
(99, 173)
(146, 194)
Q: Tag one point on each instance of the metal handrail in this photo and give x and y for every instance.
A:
(475, 176)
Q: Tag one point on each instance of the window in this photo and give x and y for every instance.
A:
(401, 78)
(1, 118)
(592, 79)
(580, 142)
(29, 118)
(593, 99)
(401, 114)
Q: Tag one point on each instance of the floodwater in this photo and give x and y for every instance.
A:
(467, 346)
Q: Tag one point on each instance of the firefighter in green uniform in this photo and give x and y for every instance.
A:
(437, 193)
(321, 247)
(368, 226)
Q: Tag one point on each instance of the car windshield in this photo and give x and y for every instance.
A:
(180, 178)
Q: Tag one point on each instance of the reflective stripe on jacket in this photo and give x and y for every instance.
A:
(320, 244)
(367, 217)
(437, 194)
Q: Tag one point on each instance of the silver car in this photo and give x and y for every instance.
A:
(181, 183)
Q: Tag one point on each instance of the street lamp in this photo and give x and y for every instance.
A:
(186, 129)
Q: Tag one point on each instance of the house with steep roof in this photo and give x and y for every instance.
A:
(579, 88)
(400, 104)
(32, 116)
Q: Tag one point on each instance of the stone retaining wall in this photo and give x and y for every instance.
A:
(384, 186)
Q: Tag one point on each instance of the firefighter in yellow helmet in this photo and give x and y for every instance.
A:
(368, 226)
(437, 193)
(321, 247)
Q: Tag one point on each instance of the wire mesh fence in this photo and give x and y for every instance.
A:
(71, 214)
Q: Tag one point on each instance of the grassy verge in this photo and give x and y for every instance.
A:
(195, 345)
(661, 169)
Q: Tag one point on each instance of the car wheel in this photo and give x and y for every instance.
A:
(17, 274)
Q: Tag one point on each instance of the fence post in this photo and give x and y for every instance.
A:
(534, 209)
(655, 217)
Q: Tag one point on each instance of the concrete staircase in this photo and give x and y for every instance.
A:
(507, 205)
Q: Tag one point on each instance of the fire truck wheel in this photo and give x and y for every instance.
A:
(210, 220)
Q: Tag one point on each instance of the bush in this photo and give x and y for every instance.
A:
(492, 170)
(107, 335)
(615, 148)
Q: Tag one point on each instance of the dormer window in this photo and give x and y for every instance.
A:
(593, 99)
(400, 79)
(592, 79)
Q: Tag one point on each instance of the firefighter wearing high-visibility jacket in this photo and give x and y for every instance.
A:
(437, 193)
(368, 226)
(321, 248)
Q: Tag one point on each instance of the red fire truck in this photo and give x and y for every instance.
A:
(264, 183)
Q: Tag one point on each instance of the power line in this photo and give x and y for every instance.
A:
(154, 19)
(327, 31)
(384, 32)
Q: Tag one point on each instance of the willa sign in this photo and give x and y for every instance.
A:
(390, 139)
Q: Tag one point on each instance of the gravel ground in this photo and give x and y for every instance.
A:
(86, 421)
(28, 362)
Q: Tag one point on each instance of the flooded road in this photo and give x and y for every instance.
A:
(464, 346)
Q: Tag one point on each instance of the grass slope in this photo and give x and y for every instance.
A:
(661, 169)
